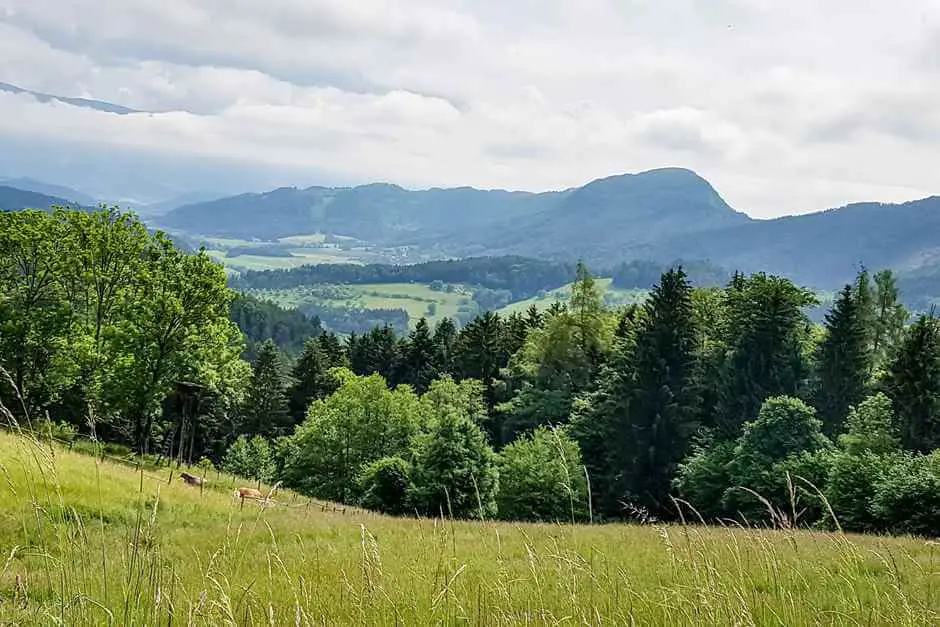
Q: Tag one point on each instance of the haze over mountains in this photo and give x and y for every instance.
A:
(660, 215)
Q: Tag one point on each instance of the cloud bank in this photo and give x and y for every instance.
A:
(784, 107)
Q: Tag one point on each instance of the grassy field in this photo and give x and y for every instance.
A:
(613, 297)
(412, 297)
(91, 542)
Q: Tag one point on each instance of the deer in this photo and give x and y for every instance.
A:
(192, 479)
(255, 495)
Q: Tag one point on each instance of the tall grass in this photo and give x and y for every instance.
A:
(89, 541)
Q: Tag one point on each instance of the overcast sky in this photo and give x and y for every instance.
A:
(786, 107)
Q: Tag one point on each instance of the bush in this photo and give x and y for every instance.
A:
(850, 488)
(454, 469)
(704, 477)
(384, 486)
(251, 459)
(541, 479)
(907, 499)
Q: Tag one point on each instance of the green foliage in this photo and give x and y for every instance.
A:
(362, 422)
(766, 336)
(384, 486)
(311, 378)
(251, 458)
(850, 487)
(541, 478)
(844, 360)
(266, 409)
(785, 427)
(913, 384)
(704, 477)
(907, 499)
(664, 405)
(871, 427)
(455, 472)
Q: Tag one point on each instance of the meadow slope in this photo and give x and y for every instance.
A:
(86, 541)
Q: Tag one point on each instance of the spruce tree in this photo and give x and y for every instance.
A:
(913, 385)
(843, 361)
(266, 411)
(332, 349)
(419, 363)
(887, 319)
(311, 380)
(445, 342)
(665, 404)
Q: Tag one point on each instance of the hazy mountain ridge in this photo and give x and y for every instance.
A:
(15, 199)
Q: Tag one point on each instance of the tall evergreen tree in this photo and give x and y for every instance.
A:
(311, 380)
(843, 360)
(664, 409)
(887, 319)
(913, 384)
(445, 344)
(766, 334)
(266, 410)
(480, 353)
(419, 360)
(332, 349)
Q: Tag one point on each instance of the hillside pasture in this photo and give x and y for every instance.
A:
(613, 297)
(91, 542)
(417, 299)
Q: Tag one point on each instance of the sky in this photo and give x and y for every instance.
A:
(785, 107)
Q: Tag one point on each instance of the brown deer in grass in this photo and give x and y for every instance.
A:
(255, 495)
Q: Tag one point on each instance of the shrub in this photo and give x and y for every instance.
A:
(384, 486)
(541, 478)
(907, 499)
(251, 459)
(850, 488)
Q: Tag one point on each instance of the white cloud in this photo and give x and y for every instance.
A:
(785, 107)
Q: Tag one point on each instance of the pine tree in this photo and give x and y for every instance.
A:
(419, 364)
(843, 361)
(311, 380)
(266, 410)
(766, 332)
(665, 404)
(332, 349)
(887, 320)
(913, 385)
(445, 342)
(479, 352)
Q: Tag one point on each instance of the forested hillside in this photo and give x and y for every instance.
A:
(727, 397)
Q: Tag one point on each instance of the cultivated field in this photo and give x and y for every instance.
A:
(417, 299)
(86, 541)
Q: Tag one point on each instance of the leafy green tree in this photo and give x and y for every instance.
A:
(455, 470)
(664, 407)
(871, 427)
(362, 422)
(541, 478)
(35, 318)
(785, 427)
(704, 477)
(266, 409)
(885, 318)
(843, 361)
(850, 487)
(907, 499)
(175, 316)
(384, 486)
(311, 379)
(251, 458)
(913, 384)
(465, 397)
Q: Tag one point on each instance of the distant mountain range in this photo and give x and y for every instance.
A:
(659, 215)
(14, 199)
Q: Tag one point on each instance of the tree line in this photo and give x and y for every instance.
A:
(720, 402)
